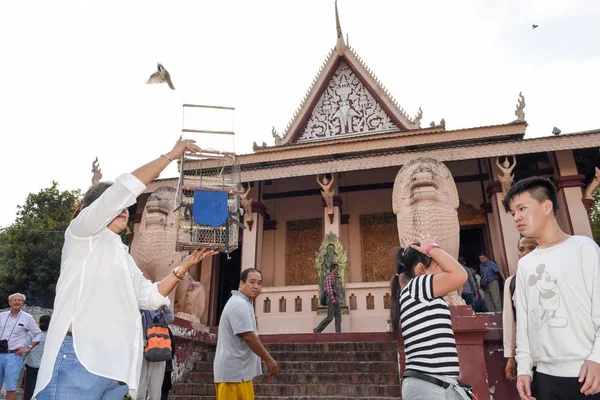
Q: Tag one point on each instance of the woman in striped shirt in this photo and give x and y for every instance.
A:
(423, 316)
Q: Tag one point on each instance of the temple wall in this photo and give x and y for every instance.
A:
(274, 246)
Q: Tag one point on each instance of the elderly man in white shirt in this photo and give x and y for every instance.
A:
(92, 353)
(14, 326)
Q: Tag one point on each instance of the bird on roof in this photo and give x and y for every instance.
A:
(161, 76)
(533, 26)
(556, 131)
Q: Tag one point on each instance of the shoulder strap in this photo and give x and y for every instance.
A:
(149, 320)
(513, 286)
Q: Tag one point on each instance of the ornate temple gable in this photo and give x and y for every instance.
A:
(346, 108)
(345, 99)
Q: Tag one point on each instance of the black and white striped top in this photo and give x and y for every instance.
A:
(429, 341)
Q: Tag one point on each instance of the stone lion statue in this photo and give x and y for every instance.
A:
(155, 254)
(425, 201)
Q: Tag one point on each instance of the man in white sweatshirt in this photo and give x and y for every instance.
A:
(557, 301)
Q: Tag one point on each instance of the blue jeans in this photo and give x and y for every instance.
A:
(11, 366)
(71, 381)
(468, 298)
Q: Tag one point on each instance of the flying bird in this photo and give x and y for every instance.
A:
(533, 26)
(161, 76)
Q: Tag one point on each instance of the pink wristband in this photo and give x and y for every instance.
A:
(431, 247)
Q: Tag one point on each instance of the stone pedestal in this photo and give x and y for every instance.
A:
(469, 331)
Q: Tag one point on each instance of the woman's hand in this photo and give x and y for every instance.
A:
(183, 146)
(196, 257)
(424, 242)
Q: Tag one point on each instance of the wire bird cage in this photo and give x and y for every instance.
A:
(208, 199)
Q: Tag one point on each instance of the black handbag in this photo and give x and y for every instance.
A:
(324, 298)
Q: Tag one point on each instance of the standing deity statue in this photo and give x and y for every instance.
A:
(594, 184)
(246, 202)
(507, 178)
(328, 192)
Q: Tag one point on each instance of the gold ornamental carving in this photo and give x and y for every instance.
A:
(379, 238)
(303, 237)
(468, 214)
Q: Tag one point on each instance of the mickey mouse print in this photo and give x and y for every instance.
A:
(549, 300)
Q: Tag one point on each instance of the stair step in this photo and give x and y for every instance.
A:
(287, 390)
(386, 378)
(330, 347)
(321, 356)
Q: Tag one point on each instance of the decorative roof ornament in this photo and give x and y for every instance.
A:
(276, 136)
(443, 123)
(520, 107)
(96, 171)
(556, 131)
(340, 45)
(417, 119)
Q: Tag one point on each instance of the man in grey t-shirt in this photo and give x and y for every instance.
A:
(239, 350)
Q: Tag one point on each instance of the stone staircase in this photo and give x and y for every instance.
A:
(312, 366)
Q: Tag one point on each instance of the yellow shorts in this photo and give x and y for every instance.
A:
(235, 391)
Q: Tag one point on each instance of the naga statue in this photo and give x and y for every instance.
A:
(332, 252)
(425, 201)
(155, 254)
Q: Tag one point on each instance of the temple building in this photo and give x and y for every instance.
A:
(332, 171)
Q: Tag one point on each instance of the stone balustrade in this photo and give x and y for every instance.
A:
(293, 309)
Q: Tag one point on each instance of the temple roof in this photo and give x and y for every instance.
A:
(345, 99)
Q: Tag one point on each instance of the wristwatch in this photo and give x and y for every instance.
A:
(30, 346)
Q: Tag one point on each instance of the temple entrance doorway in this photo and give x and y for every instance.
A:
(229, 278)
(472, 243)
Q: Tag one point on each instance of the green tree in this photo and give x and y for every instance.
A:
(30, 248)
(595, 216)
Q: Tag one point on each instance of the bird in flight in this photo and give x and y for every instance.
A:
(161, 76)
(533, 26)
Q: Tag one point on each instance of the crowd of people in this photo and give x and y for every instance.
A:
(551, 307)
(109, 333)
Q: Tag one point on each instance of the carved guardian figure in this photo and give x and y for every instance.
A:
(425, 201)
(155, 253)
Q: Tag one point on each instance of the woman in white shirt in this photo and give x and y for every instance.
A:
(94, 345)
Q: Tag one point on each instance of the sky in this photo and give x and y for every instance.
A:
(75, 70)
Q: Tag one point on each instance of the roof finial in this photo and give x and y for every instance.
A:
(340, 45)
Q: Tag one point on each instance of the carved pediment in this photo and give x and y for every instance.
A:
(346, 108)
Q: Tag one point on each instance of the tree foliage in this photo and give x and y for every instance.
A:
(595, 216)
(30, 248)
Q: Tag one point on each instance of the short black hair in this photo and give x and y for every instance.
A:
(44, 322)
(332, 267)
(538, 187)
(483, 254)
(246, 272)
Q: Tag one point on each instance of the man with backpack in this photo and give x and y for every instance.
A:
(157, 350)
